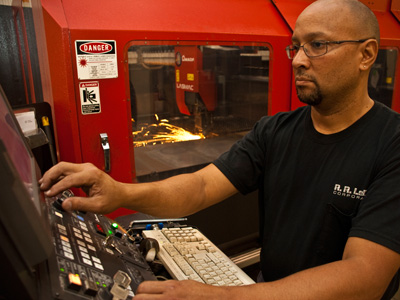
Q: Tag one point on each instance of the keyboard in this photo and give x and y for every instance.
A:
(187, 254)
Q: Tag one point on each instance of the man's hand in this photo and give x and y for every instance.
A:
(180, 290)
(101, 189)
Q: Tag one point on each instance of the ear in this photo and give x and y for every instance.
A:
(369, 53)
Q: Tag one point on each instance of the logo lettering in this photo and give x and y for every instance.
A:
(183, 86)
(95, 48)
(188, 59)
(349, 192)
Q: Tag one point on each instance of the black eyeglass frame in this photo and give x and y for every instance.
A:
(291, 48)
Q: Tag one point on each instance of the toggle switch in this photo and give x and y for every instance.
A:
(120, 288)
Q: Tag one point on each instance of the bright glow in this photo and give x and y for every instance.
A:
(161, 133)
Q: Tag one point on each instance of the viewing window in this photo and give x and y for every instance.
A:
(191, 101)
(381, 78)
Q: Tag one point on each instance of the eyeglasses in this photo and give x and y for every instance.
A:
(316, 48)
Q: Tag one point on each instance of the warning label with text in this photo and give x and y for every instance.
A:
(90, 97)
(96, 59)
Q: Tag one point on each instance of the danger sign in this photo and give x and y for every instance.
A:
(90, 97)
(96, 59)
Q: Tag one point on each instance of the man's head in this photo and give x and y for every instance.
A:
(337, 69)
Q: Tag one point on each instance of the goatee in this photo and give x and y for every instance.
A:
(312, 99)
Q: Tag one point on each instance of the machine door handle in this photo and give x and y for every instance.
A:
(106, 149)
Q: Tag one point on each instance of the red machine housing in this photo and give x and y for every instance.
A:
(190, 77)
(263, 22)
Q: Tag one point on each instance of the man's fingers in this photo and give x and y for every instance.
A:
(79, 204)
(62, 177)
(154, 287)
(56, 173)
(63, 184)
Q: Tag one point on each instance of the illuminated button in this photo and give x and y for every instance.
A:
(118, 233)
(64, 238)
(74, 282)
(99, 229)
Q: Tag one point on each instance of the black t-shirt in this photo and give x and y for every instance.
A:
(316, 190)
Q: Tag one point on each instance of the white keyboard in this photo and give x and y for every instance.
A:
(187, 254)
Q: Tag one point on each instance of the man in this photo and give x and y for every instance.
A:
(328, 176)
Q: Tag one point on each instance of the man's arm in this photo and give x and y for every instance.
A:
(174, 197)
(364, 273)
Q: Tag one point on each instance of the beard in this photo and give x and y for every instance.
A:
(313, 97)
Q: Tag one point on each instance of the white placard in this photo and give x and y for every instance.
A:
(90, 97)
(96, 59)
(27, 122)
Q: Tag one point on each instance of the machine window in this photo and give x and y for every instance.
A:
(190, 101)
(381, 78)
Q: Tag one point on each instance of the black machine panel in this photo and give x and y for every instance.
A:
(91, 254)
(48, 253)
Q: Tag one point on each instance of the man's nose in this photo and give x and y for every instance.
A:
(300, 59)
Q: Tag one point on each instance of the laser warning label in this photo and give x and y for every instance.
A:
(90, 97)
(96, 59)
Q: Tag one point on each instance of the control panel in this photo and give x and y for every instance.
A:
(94, 258)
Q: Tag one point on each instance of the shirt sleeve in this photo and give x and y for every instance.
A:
(243, 164)
(378, 217)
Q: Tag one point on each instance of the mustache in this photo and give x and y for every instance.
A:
(303, 76)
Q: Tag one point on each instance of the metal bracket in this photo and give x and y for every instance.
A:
(106, 148)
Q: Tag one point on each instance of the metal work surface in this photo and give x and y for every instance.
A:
(166, 157)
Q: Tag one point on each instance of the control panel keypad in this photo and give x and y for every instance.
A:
(84, 262)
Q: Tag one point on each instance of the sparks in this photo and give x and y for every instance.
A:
(163, 132)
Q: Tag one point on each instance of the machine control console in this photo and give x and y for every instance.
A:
(94, 257)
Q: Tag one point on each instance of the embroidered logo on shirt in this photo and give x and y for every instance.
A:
(349, 192)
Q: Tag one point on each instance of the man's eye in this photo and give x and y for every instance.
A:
(295, 47)
(317, 44)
